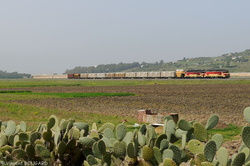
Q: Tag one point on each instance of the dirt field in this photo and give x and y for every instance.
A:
(192, 102)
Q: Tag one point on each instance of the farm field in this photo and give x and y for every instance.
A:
(34, 101)
(191, 99)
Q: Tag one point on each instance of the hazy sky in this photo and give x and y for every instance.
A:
(50, 36)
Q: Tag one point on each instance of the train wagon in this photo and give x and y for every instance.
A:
(109, 75)
(119, 75)
(130, 75)
(100, 75)
(154, 75)
(141, 74)
(168, 74)
(84, 75)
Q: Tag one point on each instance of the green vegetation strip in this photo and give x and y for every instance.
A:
(17, 95)
(19, 83)
(34, 115)
(72, 95)
(228, 133)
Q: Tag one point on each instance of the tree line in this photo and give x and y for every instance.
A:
(13, 75)
(234, 62)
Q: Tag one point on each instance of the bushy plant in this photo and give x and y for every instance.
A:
(66, 142)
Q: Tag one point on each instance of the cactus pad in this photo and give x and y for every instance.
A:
(42, 151)
(108, 133)
(61, 147)
(101, 146)
(92, 160)
(119, 149)
(147, 153)
(157, 154)
(3, 140)
(195, 146)
(212, 122)
(246, 114)
(30, 150)
(159, 139)
(169, 162)
(200, 132)
(51, 122)
(218, 138)
(164, 144)
(177, 153)
(19, 154)
(106, 125)
(23, 126)
(222, 156)
(168, 153)
(86, 141)
(239, 159)
(11, 128)
(131, 150)
(246, 135)
(120, 131)
(210, 150)
(184, 125)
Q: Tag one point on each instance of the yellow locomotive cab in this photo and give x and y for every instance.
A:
(179, 73)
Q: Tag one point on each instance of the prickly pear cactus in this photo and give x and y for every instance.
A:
(200, 132)
(222, 156)
(147, 153)
(30, 150)
(239, 159)
(23, 126)
(195, 146)
(157, 155)
(3, 139)
(121, 131)
(51, 122)
(170, 129)
(168, 153)
(106, 125)
(210, 150)
(92, 160)
(62, 146)
(101, 147)
(19, 154)
(199, 158)
(246, 135)
(218, 138)
(47, 135)
(159, 139)
(131, 150)
(177, 153)
(141, 139)
(184, 125)
(119, 149)
(164, 144)
(212, 122)
(86, 141)
(42, 151)
(11, 128)
(169, 162)
(108, 133)
(246, 114)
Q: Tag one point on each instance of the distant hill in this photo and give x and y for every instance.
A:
(234, 62)
(13, 75)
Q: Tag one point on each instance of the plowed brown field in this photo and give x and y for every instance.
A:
(192, 102)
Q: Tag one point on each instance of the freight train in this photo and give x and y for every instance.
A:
(211, 73)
